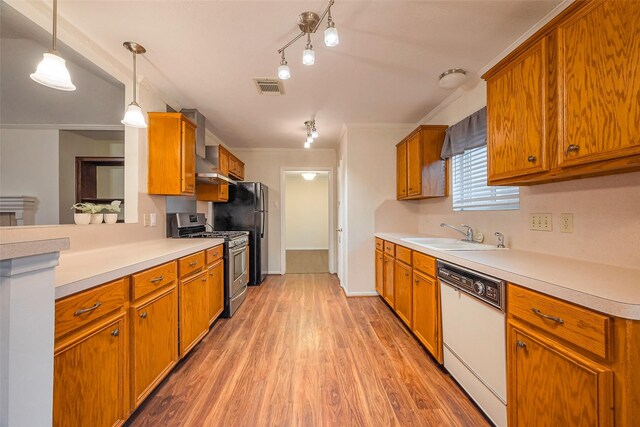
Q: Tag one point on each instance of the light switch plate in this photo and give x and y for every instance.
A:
(153, 219)
(540, 222)
(566, 223)
(146, 218)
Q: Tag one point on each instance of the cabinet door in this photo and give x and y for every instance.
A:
(154, 342)
(414, 165)
(223, 161)
(89, 377)
(194, 311)
(389, 277)
(404, 292)
(216, 290)
(426, 312)
(552, 385)
(188, 154)
(379, 272)
(516, 111)
(401, 170)
(599, 55)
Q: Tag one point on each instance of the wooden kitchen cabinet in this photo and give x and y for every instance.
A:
(172, 154)
(216, 290)
(380, 272)
(218, 192)
(421, 173)
(236, 168)
(426, 313)
(404, 292)
(194, 310)
(389, 279)
(90, 375)
(555, 108)
(154, 341)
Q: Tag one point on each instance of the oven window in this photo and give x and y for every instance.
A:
(239, 264)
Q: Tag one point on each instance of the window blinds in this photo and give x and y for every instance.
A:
(470, 190)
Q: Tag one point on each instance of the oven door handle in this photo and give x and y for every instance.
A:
(236, 251)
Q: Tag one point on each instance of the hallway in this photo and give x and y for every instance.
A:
(299, 353)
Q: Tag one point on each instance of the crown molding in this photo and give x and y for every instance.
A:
(282, 150)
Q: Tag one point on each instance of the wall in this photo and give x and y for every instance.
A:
(29, 166)
(264, 165)
(307, 212)
(605, 210)
(369, 189)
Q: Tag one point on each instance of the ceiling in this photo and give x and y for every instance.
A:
(206, 53)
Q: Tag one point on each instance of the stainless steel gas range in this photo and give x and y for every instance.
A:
(236, 279)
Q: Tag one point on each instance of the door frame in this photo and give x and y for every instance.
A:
(283, 225)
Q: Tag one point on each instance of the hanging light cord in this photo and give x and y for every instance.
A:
(135, 83)
(55, 26)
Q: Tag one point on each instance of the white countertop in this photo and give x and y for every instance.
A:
(33, 247)
(85, 269)
(601, 287)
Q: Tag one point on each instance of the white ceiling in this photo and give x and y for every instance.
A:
(205, 54)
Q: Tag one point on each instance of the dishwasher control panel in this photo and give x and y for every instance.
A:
(483, 287)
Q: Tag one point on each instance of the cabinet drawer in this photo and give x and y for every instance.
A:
(153, 279)
(214, 254)
(190, 264)
(576, 325)
(403, 254)
(424, 263)
(390, 248)
(379, 244)
(83, 308)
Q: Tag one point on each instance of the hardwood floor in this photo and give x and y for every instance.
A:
(299, 353)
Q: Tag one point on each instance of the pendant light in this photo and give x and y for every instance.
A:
(133, 115)
(331, 38)
(284, 73)
(52, 71)
(308, 55)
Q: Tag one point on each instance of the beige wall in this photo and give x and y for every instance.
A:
(265, 165)
(307, 212)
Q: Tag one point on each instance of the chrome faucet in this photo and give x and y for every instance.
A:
(468, 234)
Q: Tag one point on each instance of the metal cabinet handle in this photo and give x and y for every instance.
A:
(532, 159)
(116, 332)
(521, 344)
(86, 310)
(157, 279)
(406, 274)
(546, 316)
(143, 314)
(193, 263)
(416, 280)
(204, 279)
(573, 148)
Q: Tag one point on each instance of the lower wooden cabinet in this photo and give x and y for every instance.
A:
(426, 313)
(379, 272)
(90, 376)
(389, 278)
(553, 385)
(216, 290)
(194, 310)
(154, 342)
(404, 292)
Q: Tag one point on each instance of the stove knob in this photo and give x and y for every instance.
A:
(478, 288)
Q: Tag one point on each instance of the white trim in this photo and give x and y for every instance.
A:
(332, 232)
(60, 126)
(279, 273)
(360, 125)
(283, 150)
(361, 294)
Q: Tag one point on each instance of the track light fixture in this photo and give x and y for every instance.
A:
(312, 133)
(308, 23)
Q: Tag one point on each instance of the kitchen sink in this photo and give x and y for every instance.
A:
(447, 244)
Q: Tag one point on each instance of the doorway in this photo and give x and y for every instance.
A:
(307, 240)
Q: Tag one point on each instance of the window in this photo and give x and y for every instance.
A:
(470, 190)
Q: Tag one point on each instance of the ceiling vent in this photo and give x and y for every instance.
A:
(269, 86)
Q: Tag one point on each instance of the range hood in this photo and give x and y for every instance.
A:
(207, 165)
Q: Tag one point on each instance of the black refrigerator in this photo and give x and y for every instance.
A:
(248, 210)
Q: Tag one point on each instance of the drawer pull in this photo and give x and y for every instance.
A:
(521, 344)
(116, 332)
(86, 310)
(193, 263)
(143, 314)
(546, 316)
(532, 159)
(157, 279)
(204, 279)
(406, 274)
(573, 148)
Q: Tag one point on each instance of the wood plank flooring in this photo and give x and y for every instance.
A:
(299, 353)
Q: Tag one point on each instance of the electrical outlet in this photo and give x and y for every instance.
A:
(146, 218)
(153, 219)
(566, 223)
(540, 222)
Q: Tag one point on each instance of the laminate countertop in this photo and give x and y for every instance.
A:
(601, 287)
(82, 270)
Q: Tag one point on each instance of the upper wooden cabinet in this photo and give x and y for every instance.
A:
(172, 154)
(420, 172)
(564, 104)
(236, 167)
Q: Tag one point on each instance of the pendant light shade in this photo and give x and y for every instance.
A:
(307, 145)
(284, 73)
(52, 72)
(308, 56)
(331, 37)
(133, 116)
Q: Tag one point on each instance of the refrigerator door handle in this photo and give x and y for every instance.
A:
(264, 217)
(262, 199)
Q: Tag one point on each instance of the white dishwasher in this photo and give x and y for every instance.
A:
(473, 332)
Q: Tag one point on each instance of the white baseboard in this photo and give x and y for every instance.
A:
(275, 272)
(361, 294)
